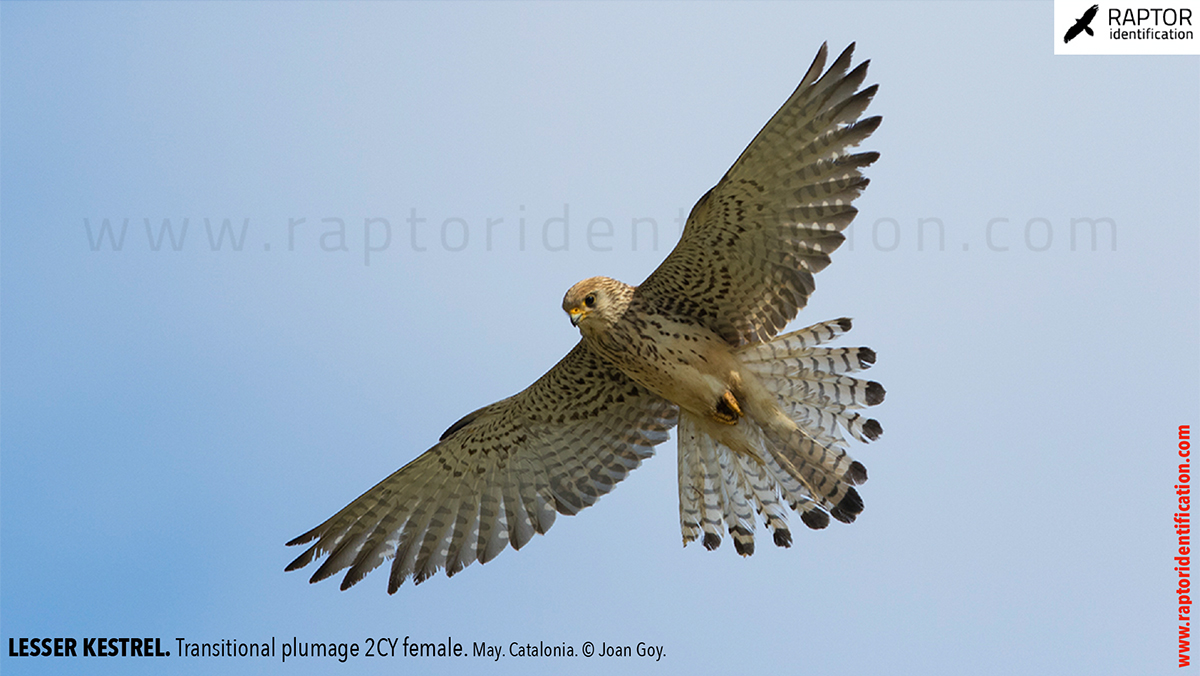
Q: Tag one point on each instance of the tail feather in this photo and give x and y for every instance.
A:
(739, 515)
(806, 466)
(701, 502)
(690, 480)
(834, 361)
(797, 495)
(712, 499)
(766, 498)
(826, 473)
(790, 343)
(823, 389)
(721, 489)
(815, 420)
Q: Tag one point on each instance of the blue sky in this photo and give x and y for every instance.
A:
(169, 418)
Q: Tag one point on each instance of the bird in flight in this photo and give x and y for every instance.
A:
(1082, 24)
(762, 417)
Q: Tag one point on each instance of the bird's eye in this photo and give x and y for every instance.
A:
(590, 300)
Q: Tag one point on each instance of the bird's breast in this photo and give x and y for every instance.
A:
(683, 362)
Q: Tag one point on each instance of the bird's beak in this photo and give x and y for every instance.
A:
(576, 315)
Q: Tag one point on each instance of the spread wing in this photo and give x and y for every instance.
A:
(745, 262)
(497, 476)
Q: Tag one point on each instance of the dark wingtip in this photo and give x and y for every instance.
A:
(844, 323)
(814, 519)
(711, 541)
(857, 474)
(849, 508)
(872, 429)
(866, 357)
(302, 560)
(301, 539)
(875, 393)
(783, 537)
(868, 125)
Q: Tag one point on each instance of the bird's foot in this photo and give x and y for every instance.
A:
(727, 410)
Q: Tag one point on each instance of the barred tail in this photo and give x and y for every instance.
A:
(807, 466)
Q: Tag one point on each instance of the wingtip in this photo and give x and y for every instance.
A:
(870, 124)
(394, 584)
(868, 158)
(302, 560)
(814, 71)
(326, 571)
(301, 539)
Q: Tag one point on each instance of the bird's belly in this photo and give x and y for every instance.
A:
(683, 363)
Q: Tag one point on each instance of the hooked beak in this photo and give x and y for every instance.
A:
(576, 315)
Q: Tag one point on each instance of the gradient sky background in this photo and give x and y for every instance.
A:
(171, 418)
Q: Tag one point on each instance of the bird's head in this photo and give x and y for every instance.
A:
(596, 303)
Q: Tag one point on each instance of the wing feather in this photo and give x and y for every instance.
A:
(752, 244)
(497, 476)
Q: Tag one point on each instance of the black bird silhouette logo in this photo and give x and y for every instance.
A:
(1082, 24)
